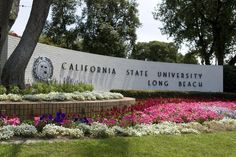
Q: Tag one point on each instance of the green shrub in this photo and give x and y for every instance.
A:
(3, 90)
(141, 94)
(41, 87)
(45, 88)
(14, 89)
(27, 90)
(230, 79)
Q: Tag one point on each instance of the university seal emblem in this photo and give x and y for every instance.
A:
(42, 69)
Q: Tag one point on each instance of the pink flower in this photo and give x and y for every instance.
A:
(36, 120)
(177, 110)
(12, 121)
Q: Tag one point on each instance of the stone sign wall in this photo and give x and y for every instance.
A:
(105, 73)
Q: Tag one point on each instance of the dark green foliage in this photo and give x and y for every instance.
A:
(3, 90)
(230, 79)
(40, 126)
(14, 89)
(2, 122)
(59, 31)
(141, 94)
(42, 87)
(30, 122)
(45, 88)
(207, 26)
(155, 51)
(162, 52)
(27, 90)
(68, 88)
(108, 27)
(188, 58)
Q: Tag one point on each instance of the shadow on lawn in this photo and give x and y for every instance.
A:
(12, 151)
(106, 147)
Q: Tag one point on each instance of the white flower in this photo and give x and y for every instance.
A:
(78, 96)
(14, 97)
(3, 97)
(25, 130)
(31, 97)
(6, 132)
(53, 130)
(101, 130)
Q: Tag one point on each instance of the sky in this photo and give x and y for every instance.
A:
(149, 30)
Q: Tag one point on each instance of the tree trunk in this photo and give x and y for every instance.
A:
(14, 12)
(219, 44)
(232, 61)
(5, 8)
(207, 59)
(220, 53)
(14, 69)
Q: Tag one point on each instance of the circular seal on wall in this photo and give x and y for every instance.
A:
(42, 69)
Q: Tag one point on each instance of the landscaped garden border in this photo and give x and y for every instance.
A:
(27, 110)
(142, 94)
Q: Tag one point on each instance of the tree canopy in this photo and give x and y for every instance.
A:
(162, 52)
(108, 27)
(60, 30)
(208, 25)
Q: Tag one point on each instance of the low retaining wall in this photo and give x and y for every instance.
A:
(26, 110)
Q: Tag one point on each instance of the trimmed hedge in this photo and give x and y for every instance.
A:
(141, 94)
(230, 79)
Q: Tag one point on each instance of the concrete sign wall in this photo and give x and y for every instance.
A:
(105, 73)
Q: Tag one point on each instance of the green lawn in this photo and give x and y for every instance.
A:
(205, 145)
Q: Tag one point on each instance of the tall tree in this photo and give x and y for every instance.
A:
(5, 8)
(210, 25)
(14, 69)
(162, 52)
(188, 58)
(14, 12)
(59, 30)
(108, 27)
(155, 51)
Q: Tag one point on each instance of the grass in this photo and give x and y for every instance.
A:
(205, 145)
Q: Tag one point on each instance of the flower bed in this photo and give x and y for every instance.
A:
(169, 109)
(57, 96)
(147, 117)
(99, 130)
